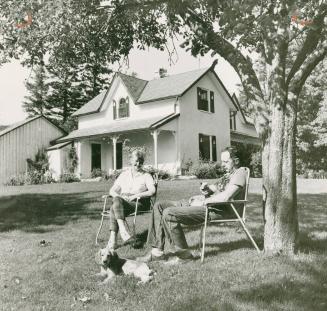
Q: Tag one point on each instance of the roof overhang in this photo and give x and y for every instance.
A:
(119, 127)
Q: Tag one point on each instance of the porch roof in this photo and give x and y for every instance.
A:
(119, 126)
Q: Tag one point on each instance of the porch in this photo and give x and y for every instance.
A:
(108, 148)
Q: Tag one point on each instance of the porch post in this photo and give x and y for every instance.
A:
(176, 136)
(155, 134)
(114, 142)
(79, 159)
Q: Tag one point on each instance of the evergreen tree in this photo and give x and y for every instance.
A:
(36, 103)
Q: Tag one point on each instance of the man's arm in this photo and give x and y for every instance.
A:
(226, 195)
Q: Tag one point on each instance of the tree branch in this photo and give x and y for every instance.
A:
(307, 67)
(312, 40)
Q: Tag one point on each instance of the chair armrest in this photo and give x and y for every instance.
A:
(105, 196)
(213, 204)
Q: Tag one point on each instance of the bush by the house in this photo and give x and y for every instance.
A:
(97, 172)
(68, 178)
(114, 174)
(206, 170)
(162, 174)
(249, 156)
(256, 164)
(18, 180)
(31, 178)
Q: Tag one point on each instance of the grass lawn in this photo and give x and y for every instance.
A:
(233, 276)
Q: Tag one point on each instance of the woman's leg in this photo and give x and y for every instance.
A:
(119, 210)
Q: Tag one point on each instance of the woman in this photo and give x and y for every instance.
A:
(131, 184)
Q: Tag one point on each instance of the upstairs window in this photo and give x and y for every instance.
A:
(121, 110)
(207, 148)
(232, 120)
(206, 100)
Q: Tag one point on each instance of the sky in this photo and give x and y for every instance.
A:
(145, 63)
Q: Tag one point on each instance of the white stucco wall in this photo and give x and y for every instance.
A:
(58, 161)
(117, 91)
(193, 121)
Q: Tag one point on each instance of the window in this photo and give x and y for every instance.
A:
(232, 120)
(203, 102)
(122, 109)
(207, 147)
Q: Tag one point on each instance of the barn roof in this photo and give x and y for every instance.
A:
(23, 122)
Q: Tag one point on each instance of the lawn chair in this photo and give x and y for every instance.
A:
(106, 212)
(238, 218)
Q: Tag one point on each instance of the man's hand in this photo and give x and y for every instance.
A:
(206, 189)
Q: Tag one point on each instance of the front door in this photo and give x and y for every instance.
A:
(119, 155)
(95, 156)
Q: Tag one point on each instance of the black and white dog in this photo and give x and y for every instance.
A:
(112, 265)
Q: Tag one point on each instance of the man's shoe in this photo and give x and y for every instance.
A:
(150, 257)
(184, 254)
(130, 241)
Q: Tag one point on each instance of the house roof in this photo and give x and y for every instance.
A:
(143, 91)
(59, 146)
(21, 123)
(134, 85)
(2, 127)
(170, 86)
(92, 106)
(119, 127)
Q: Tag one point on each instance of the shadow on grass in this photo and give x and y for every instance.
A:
(304, 289)
(34, 212)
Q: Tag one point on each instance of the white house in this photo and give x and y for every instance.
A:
(21, 141)
(176, 118)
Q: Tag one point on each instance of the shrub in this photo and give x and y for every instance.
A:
(69, 177)
(72, 160)
(18, 180)
(162, 174)
(206, 170)
(114, 174)
(97, 172)
(256, 164)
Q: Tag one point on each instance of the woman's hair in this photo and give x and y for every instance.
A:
(233, 154)
(140, 155)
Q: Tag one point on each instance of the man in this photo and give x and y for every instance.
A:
(131, 184)
(173, 214)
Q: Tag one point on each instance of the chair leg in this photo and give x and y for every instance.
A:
(204, 235)
(100, 227)
(96, 238)
(134, 220)
(245, 229)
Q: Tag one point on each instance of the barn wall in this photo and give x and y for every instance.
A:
(22, 143)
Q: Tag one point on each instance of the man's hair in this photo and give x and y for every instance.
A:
(233, 154)
(140, 155)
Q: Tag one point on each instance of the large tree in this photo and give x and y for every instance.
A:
(257, 38)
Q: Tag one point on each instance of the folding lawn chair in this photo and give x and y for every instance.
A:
(238, 218)
(106, 211)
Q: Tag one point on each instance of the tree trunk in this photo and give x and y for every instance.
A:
(279, 182)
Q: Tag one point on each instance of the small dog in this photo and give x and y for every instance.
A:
(112, 265)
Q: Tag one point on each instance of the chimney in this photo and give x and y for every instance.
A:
(162, 72)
